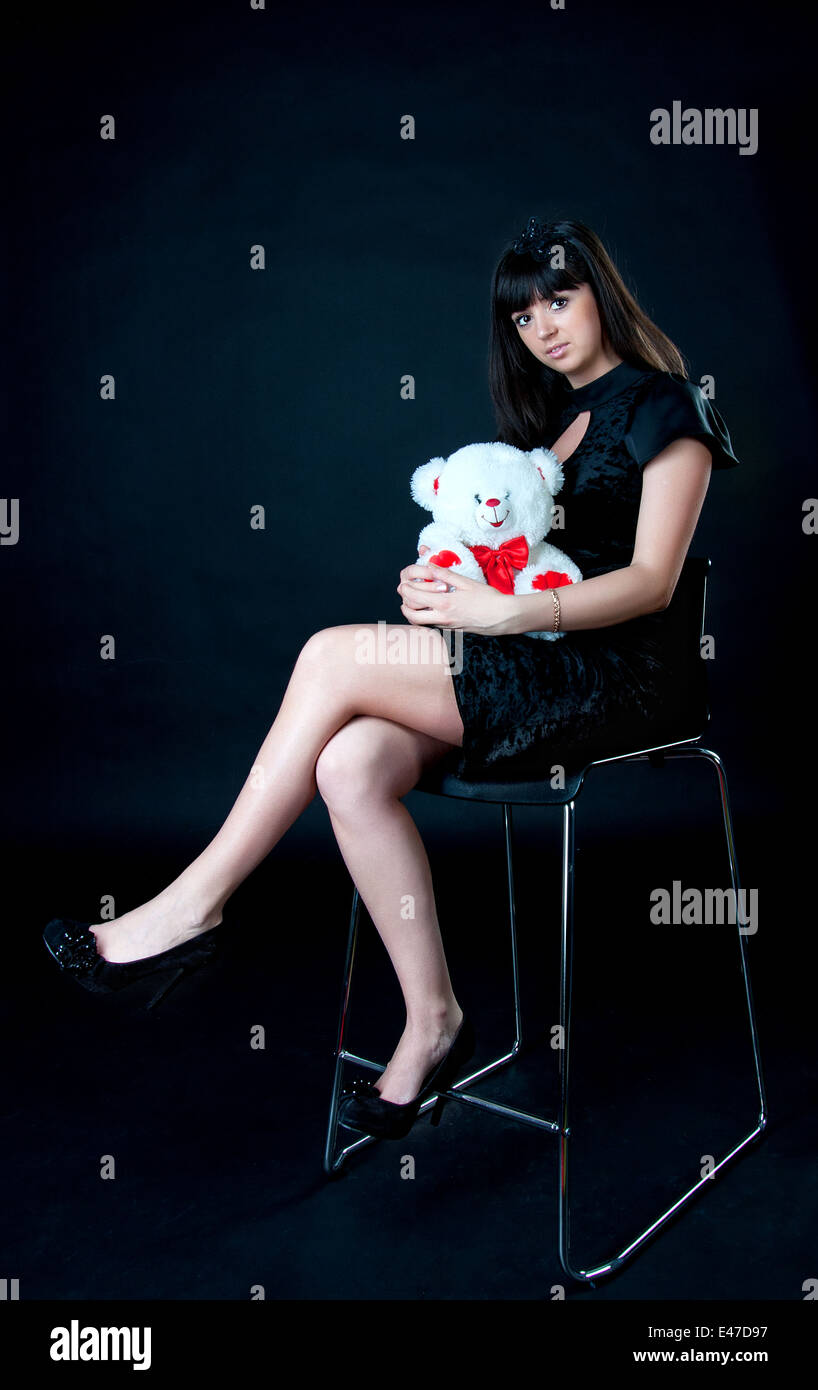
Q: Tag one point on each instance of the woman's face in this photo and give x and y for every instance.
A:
(565, 332)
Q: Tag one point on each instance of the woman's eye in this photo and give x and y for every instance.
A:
(559, 303)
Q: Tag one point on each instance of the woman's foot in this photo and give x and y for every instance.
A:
(419, 1049)
(165, 921)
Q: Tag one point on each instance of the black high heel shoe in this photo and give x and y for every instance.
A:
(364, 1110)
(73, 946)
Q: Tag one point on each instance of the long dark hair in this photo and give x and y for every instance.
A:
(524, 390)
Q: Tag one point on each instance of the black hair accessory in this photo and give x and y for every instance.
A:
(536, 242)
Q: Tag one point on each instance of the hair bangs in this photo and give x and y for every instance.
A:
(522, 280)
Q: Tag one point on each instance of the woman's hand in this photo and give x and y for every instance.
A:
(449, 601)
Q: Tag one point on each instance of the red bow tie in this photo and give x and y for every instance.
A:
(499, 565)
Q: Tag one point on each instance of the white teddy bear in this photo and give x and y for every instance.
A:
(492, 505)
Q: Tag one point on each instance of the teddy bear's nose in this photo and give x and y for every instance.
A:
(492, 501)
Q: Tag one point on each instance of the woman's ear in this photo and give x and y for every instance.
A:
(549, 468)
(424, 482)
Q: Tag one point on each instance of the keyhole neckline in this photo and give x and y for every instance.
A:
(567, 457)
(582, 399)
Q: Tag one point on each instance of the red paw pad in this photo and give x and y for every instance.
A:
(552, 579)
(445, 559)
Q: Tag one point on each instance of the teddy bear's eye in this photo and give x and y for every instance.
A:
(477, 497)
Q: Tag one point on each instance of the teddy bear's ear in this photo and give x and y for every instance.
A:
(549, 468)
(423, 485)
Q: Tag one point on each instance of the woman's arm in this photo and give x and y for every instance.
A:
(674, 486)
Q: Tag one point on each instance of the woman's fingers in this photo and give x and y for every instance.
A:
(421, 615)
(423, 576)
(419, 597)
(416, 572)
(421, 586)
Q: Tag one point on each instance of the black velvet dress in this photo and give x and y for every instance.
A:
(527, 704)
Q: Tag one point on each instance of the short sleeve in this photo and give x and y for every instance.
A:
(671, 408)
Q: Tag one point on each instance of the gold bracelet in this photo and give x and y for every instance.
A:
(556, 610)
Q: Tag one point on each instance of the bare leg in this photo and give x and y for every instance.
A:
(330, 685)
(362, 773)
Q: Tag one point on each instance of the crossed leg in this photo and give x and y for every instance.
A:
(393, 716)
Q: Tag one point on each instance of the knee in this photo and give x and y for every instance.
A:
(320, 651)
(351, 767)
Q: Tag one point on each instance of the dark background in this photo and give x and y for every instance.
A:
(282, 387)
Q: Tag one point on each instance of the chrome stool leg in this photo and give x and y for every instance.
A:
(333, 1161)
(566, 981)
(589, 1275)
(745, 967)
(512, 918)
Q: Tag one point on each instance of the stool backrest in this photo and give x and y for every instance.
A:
(684, 627)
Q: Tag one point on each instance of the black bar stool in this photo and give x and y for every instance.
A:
(686, 617)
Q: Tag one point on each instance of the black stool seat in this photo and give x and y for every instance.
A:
(528, 789)
(440, 782)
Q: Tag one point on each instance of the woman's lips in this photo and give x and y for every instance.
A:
(558, 350)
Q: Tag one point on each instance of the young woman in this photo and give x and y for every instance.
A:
(576, 365)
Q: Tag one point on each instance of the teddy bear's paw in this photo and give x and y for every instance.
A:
(552, 579)
(444, 558)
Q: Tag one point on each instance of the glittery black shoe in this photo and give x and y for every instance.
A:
(74, 947)
(364, 1110)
